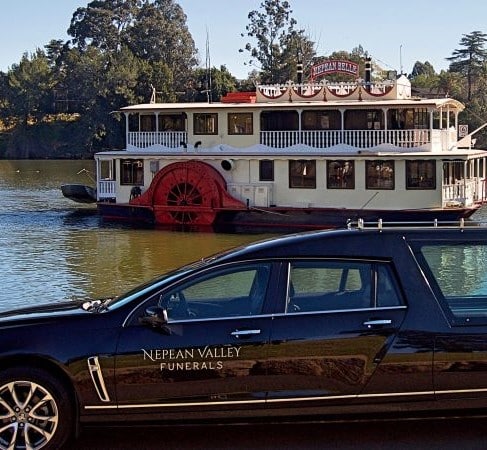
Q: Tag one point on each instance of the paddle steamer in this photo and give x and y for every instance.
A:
(294, 156)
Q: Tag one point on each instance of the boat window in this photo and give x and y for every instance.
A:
(266, 170)
(107, 170)
(134, 122)
(421, 174)
(367, 119)
(132, 172)
(147, 122)
(458, 276)
(279, 121)
(171, 122)
(340, 174)
(240, 123)
(302, 174)
(408, 119)
(205, 123)
(379, 174)
(321, 120)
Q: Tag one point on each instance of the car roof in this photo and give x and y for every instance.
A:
(380, 240)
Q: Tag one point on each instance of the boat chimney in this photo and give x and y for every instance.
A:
(299, 71)
(368, 73)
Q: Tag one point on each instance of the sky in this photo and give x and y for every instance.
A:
(395, 34)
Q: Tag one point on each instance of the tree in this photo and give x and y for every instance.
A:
(29, 88)
(425, 69)
(212, 86)
(154, 31)
(424, 76)
(102, 23)
(159, 34)
(451, 84)
(470, 59)
(278, 45)
(123, 52)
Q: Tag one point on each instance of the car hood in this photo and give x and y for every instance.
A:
(43, 311)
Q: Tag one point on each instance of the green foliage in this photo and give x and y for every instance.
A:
(278, 45)
(422, 69)
(103, 23)
(60, 99)
(470, 59)
(120, 53)
(159, 34)
(28, 88)
(211, 86)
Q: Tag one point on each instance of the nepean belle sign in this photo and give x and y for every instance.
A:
(334, 66)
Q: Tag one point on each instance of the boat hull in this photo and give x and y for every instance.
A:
(79, 193)
(277, 220)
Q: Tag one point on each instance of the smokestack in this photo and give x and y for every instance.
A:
(299, 71)
(368, 72)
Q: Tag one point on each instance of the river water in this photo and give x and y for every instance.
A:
(52, 249)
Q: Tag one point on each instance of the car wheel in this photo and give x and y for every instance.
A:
(35, 412)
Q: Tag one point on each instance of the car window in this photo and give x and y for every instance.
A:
(229, 292)
(340, 285)
(459, 275)
(388, 293)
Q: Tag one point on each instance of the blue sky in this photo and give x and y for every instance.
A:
(394, 33)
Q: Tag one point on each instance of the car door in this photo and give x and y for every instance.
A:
(209, 353)
(341, 317)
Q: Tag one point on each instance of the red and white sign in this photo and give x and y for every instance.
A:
(335, 66)
(462, 130)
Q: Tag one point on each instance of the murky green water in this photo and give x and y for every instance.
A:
(52, 249)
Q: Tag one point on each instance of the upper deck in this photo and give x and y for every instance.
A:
(335, 117)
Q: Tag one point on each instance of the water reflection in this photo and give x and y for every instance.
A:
(459, 270)
(52, 249)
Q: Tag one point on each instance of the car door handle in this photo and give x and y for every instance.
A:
(244, 333)
(377, 323)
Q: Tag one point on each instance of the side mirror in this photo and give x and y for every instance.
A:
(155, 316)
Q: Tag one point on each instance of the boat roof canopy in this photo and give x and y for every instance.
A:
(436, 103)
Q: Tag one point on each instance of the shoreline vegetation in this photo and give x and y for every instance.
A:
(59, 102)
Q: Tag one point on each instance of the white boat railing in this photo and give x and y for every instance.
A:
(354, 138)
(463, 192)
(144, 139)
(106, 189)
(314, 138)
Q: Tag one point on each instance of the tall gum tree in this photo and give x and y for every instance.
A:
(277, 44)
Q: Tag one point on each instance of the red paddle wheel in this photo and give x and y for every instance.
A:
(187, 193)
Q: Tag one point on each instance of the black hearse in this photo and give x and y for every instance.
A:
(324, 324)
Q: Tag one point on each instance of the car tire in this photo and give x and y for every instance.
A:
(35, 410)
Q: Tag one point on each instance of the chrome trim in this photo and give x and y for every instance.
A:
(243, 333)
(215, 319)
(288, 288)
(460, 391)
(377, 322)
(97, 378)
(258, 316)
(283, 400)
(334, 311)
